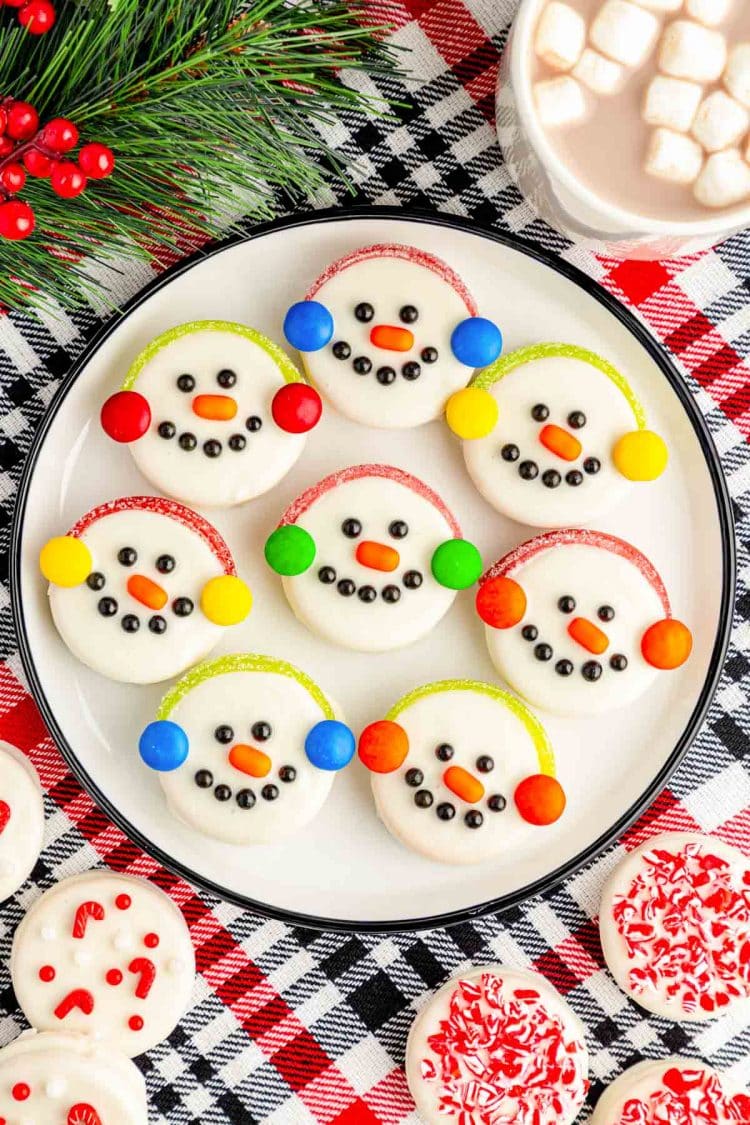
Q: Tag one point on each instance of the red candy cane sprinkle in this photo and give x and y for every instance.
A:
(686, 1097)
(502, 1057)
(84, 912)
(685, 920)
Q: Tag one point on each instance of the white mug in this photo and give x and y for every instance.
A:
(555, 192)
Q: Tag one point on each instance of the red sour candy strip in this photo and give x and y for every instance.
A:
(147, 973)
(4, 815)
(85, 911)
(79, 998)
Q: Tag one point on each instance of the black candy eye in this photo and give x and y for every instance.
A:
(226, 378)
(566, 604)
(444, 752)
(576, 419)
(165, 564)
(351, 528)
(398, 529)
(127, 556)
(253, 424)
(261, 731)
(364, 312)
(605, 613)
(224, 734)
(408, 314)
(186, 383)
(540, 412)
(485, 764)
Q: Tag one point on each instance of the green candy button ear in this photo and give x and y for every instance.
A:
(290, 550)
(456, 564)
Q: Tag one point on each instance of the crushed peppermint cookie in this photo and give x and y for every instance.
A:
(686, 1097)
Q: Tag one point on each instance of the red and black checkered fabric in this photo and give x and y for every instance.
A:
(291, 1027)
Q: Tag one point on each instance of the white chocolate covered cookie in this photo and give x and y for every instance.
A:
(579, 622)
(246, 748)
(553, 435)
(388, 332)
(461, 771)
(371, 558)
(141, 588)
(659, 1091)
(21, 819)
(214, 413)
(675, 926)
(497, 1044)
(59, 1078)
(106, 955)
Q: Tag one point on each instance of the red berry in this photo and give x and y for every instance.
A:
(296, 408)
(125, 417)
(38, 17)
(6, 146)
(67, 179)
(3, 119)
(16, 219)
(60, 135)
(37, 163)
(96, 160)
(23, 121)
(13, 177)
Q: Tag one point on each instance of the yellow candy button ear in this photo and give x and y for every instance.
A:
(226, 600)
(65, 561)
(641, 455)
(471, 413)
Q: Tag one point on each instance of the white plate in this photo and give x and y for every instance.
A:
(345, 870)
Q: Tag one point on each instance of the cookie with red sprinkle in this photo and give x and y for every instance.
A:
(663, 1091)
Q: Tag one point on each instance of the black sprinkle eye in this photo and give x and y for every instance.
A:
(222, 792)
(473, 819)
(253, 424)
(592, 465)
(341, 349)
(423, 799)
(187, 441)
(204, 779)
(411, 371)
(364, 312)
(591, 670)
(543, 652)
(287, 774)
(157, 624)
(226, 378)
(408, 313)
(183, 607)
(445, 810)
(269, 792)
(95, 580)
(618, 662)
(127, 556)
(429, 355)
(444, 752)
(398, 529)
(391, 594)
(605, 613)
(574, 477)
(130, 623)
(564, 668)
(485, 764)
(551, 478)
(237, 443)
(529, 632)
(186, 383)
(540, 412)
(414, 777)
(510, 452)
(261, 731)
(566, 604)
(165, 564)
(351, 528)
(362, 365)
(245, 798)
(107, 607)
(327, 575)
(496, 802)
(576, 419)
(528, 470)
(167, 430)
(224, 734)
(412, 580)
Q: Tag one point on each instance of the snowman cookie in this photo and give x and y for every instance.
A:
(141, 588)
(579, 622)
(661, 1091)
(497, 1045)
(21, 819)
(214, 413)
(246, 748)
(59, 1078)
(107, 955)
(675, 926)
(553, 435)
(371, 558)
(460, 771)
(388, 333)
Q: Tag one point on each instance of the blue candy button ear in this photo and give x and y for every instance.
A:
(476, 341)
(163, 746)
(308, 326)
(330, 745)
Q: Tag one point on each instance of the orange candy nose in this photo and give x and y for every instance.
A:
(392, 338)
(560, 442)
(146, 592)
(501, 602)
(667, 644)
(249, 760)
(588, 635)
(463, 784)
(383, 746)
(378, 556)
(219, 408)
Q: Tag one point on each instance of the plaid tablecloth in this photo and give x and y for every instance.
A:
(292, 1027)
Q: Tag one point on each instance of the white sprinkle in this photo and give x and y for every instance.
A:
(55, 1087)
(82, 957)
(123, 939)
(175, 966)
(48, 933)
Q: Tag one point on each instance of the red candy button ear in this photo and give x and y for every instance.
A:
(383, 746)
(125, 416)
(540, 799)
(501, 602)
(296, 408)
(666, 644)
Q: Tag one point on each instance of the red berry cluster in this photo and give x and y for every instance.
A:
(37, 16)
(25, 148)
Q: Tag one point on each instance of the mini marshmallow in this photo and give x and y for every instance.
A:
(737, 73)
(724, 181)
(601, 75)
(560, 101)
(672, 102)
(624, 32)
(673, 156)
(720, 122)
(710, 12)
(560, 36)
(689, 50)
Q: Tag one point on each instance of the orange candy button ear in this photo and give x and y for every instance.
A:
(467, 787)
(501, 602)
(666, 644)
(383, 746)
(540, 799)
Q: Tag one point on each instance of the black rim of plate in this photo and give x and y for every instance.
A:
(724, 511)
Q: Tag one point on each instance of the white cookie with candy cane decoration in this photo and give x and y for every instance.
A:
(61, 1078)
(142, 587)
(687, 1091)
(21, 819)
(675, 926)
(106, 955)
(497, 1043)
